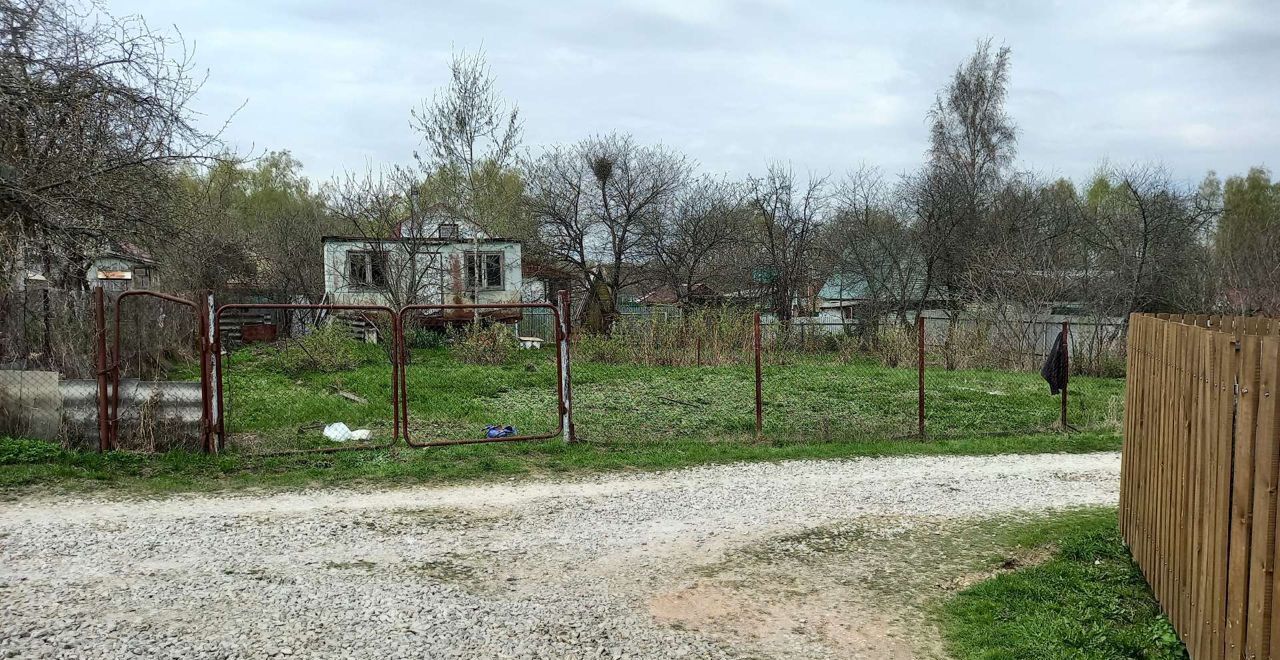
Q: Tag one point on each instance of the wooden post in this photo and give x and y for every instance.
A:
(566, 382)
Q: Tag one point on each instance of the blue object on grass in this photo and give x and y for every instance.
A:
(495, 431)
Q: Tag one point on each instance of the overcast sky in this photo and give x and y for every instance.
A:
(823, 85)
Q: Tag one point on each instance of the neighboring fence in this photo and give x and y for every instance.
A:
(1199, 476)
(269, 377)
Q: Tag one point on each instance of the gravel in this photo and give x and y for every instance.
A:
(517, 569)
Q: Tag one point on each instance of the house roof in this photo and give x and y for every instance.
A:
(666, 295)
(436, 241)
(129, 252)
(850, 287)
(532, 269)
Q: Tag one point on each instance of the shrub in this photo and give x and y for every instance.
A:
(328, 349)
(480, 343)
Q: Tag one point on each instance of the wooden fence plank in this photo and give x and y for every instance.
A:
(1262, 538)
(1242, 496)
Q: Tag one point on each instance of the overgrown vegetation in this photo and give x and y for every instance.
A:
(328, 349)
(1089, 600)
(481, 343)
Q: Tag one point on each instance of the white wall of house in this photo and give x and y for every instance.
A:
(433, 274)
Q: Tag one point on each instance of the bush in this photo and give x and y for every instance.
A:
(328, 349)
(479, 343)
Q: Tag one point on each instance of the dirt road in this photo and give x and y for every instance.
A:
(798, 559)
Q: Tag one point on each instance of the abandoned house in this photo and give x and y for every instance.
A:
(439, 263)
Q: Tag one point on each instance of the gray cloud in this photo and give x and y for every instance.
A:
(824, 85)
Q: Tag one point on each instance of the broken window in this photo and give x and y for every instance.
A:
(484, 270)
(367, 269)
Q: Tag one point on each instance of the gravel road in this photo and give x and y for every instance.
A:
(610, 566)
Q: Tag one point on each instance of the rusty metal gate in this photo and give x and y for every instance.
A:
(563, 425)
(285, 377)
(154, 408)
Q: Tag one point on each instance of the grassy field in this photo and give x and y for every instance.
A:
(1087, 600)
(809, 398)
(628, 417)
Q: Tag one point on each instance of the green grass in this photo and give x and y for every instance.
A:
(31, 465)
(629, 418)
(1089, 600)
(809, 398)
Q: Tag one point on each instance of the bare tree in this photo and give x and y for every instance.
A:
(595, 202)
(94, 113)
(689, 247)
(873, 248)
(471, 136)
(789, 219)
(1149, 239)
(402, 270)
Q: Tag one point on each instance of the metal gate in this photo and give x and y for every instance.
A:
(283, 374)
(157, 408)
(564, 419)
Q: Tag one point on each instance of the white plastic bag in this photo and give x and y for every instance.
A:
(361, 434)
(337, 432)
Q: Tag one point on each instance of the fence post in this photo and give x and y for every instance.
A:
(1066, 370)
(206, 384)
(920, 375)
(100, 350)
(759, 393)
(566, 383)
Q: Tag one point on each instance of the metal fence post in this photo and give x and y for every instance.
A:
(1066, 370)
(759, 393)
(920, 375)
(100, 349)
(207, 372)
(566, 383)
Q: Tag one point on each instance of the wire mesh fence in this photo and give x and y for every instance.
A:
(324, 381)
(156, 397)
(446, 375)
(48, 370)
(470, 376)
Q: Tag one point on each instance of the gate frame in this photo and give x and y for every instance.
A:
(112, 402)
(564, 406)
(396, 342)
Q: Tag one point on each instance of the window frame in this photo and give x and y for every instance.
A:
(368, 281)
(472, 257)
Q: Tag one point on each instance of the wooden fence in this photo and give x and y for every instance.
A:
(1199, 476)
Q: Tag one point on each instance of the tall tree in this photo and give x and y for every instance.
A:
(594, 203)
(94, 114)
(1247, 240)
(972, 144)
(789, 218)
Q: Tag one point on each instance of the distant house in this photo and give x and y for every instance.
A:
(446, 263)
(698, 294)
(122, 267)
(849, 296)
(543, 281)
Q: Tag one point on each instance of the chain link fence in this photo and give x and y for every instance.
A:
(288, 373)
(48, 365)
